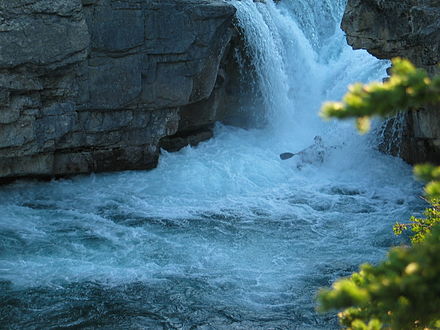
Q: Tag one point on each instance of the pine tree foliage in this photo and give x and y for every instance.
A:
(408, 87)
(430, 174)
(421, 226)
(403, 292)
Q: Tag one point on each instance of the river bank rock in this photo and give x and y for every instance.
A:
(410, 29)
(94, 85)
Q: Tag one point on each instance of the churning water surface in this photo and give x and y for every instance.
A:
(224, 235)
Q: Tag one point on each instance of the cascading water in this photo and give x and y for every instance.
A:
(224, 235)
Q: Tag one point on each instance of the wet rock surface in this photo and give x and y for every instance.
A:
(91, 86)
(410, 29)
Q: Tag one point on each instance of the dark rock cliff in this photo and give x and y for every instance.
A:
(410, 29)
(94, 85)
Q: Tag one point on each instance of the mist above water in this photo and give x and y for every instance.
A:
(224, 235)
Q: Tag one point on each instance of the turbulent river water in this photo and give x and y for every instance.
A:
(224, 235)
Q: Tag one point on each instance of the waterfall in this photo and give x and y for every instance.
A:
(224, 235)
(301, 59)
(391, 134)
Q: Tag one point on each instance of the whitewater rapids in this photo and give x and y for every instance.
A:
(224, 235)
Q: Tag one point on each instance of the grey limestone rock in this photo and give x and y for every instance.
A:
(94, 85)
(409, 29)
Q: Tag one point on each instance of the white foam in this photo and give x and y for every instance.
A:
(229, 211)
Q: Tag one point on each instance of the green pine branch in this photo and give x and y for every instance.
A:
(407, 88)
(403, 292)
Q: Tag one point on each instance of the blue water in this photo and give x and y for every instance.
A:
(224, 235)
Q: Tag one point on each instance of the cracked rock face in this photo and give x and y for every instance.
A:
(93, 85)
(410, 29)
